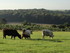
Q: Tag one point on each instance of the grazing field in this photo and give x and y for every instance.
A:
(59, 44)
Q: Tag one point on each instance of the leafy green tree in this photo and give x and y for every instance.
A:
(3, 21)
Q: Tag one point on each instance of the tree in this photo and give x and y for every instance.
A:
(3, 21)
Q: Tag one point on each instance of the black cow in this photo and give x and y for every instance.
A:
(11, 32)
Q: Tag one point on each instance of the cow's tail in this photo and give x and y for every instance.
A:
(4, 36)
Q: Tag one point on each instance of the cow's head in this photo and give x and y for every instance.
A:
(19, 36)
(52, 36)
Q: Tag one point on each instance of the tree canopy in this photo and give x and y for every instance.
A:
(41, 16)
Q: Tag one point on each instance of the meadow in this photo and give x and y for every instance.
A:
(59, 44)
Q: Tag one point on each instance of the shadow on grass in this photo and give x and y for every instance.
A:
(7, 50)
(53, 40)
(65, 39)
(2, 43)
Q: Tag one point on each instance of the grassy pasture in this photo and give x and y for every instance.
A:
(59, 44)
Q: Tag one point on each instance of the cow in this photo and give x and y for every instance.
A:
(47, 32)
(11, 32)
(26, 33)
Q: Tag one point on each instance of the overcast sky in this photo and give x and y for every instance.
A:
(31, 4)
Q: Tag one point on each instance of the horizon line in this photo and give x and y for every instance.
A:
(31, 8)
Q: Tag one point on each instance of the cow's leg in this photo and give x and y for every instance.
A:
(51, 37)
(4, 36)
(14, 37)
(29, 37)
(43, 36)
(25, 37)
(22, 37)
(11, 37)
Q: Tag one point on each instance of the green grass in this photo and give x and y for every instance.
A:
(59, 44)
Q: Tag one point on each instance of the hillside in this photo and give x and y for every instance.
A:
(42, 16)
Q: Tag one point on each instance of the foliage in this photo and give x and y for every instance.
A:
(33, 26)
(36, 16)
(3, 21)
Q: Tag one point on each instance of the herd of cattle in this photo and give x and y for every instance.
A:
(26, 33)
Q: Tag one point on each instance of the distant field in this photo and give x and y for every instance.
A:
(59, 44)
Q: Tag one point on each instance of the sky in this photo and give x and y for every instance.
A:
(31, 4)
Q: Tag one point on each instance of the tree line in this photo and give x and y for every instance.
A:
(42, 16)
(33, 26)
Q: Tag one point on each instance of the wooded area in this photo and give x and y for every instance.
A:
(41, 16)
